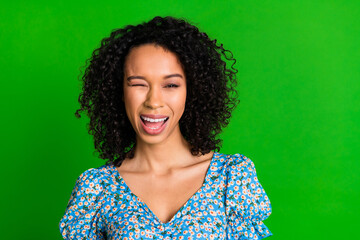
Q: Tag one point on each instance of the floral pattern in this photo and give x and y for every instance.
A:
(231, 204)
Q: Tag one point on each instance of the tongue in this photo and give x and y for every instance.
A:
(153, 124)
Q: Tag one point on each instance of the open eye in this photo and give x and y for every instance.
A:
(171, 85)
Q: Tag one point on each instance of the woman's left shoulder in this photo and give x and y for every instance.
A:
(247, 203)
(241, 174)
(237, 163)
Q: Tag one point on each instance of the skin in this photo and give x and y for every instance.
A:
(163, 173)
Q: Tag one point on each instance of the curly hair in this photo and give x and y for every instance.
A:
(211, 83)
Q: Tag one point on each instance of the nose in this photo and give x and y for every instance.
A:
(154, 98)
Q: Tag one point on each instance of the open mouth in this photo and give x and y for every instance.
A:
(153, 123)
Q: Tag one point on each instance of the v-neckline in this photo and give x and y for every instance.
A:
(146, 207)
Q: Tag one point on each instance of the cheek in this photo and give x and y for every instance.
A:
(130, 104)
(178, 103)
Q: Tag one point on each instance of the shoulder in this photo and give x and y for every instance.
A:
(247, 203)
(241, 174)
(96, 175)
(87, 197)
(238, 160)
(243, 188)
(236, 164)
(91, 183)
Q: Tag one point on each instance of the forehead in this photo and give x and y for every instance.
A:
(151, 59)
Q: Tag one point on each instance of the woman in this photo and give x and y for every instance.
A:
(158, 95)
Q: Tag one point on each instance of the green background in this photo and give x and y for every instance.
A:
(298, 119)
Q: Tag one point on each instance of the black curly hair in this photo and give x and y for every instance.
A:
(211, 83)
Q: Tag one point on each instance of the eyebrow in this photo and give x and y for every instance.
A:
(166, 77)
(174, 75)
(135, 77)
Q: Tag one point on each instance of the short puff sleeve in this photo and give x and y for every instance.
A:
(82, 218)
(247, 204)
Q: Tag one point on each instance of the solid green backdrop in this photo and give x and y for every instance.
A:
(298, 118)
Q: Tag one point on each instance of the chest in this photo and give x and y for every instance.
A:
(200, 219)
(203, 217)
(165, 195)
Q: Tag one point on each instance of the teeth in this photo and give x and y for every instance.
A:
(153, 120)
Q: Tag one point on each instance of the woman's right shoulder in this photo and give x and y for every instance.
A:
(87, 198)
(102, 174)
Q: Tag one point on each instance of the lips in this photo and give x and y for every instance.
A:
(153, 124)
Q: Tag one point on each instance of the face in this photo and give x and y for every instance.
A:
(154, 93)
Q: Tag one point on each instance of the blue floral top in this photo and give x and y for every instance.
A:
(231, 204)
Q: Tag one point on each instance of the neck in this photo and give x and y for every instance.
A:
(164, 156)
